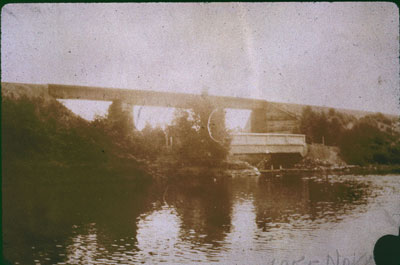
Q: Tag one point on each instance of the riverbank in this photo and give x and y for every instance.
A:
(166, 170)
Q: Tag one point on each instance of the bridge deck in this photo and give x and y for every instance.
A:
(151, 98)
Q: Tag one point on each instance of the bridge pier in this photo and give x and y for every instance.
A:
(127, 109)
(121, 113)
(258, 121)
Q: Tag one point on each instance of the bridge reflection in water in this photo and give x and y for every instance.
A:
(243, 220)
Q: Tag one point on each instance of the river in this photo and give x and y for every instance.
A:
(288, 219)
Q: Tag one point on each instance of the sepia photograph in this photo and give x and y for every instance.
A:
(200, 133)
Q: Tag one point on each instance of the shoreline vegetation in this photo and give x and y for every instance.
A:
(43, 141)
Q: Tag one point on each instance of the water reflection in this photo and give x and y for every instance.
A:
(241, 219)
(53, 224)
(162, 228)
(304, 202)
(205, 213)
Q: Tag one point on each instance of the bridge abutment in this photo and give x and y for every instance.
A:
(272, 119)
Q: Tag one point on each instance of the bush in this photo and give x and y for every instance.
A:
(366, 144)
(35, 132)
(369, 140)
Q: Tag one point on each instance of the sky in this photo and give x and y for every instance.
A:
(341, 54)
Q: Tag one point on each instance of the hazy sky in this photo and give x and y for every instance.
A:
(332, 54)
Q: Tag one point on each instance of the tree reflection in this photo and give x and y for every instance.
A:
(296, 200)
(45, 221)
(205, 212)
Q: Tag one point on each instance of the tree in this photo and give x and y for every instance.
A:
(365, 143)
(199, 139)
(319, 125)
(118, 127)
(307, 124)
(153, 140)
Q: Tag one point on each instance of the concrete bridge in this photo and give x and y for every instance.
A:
(266, 117)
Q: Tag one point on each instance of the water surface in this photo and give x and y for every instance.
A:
(289, 219)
